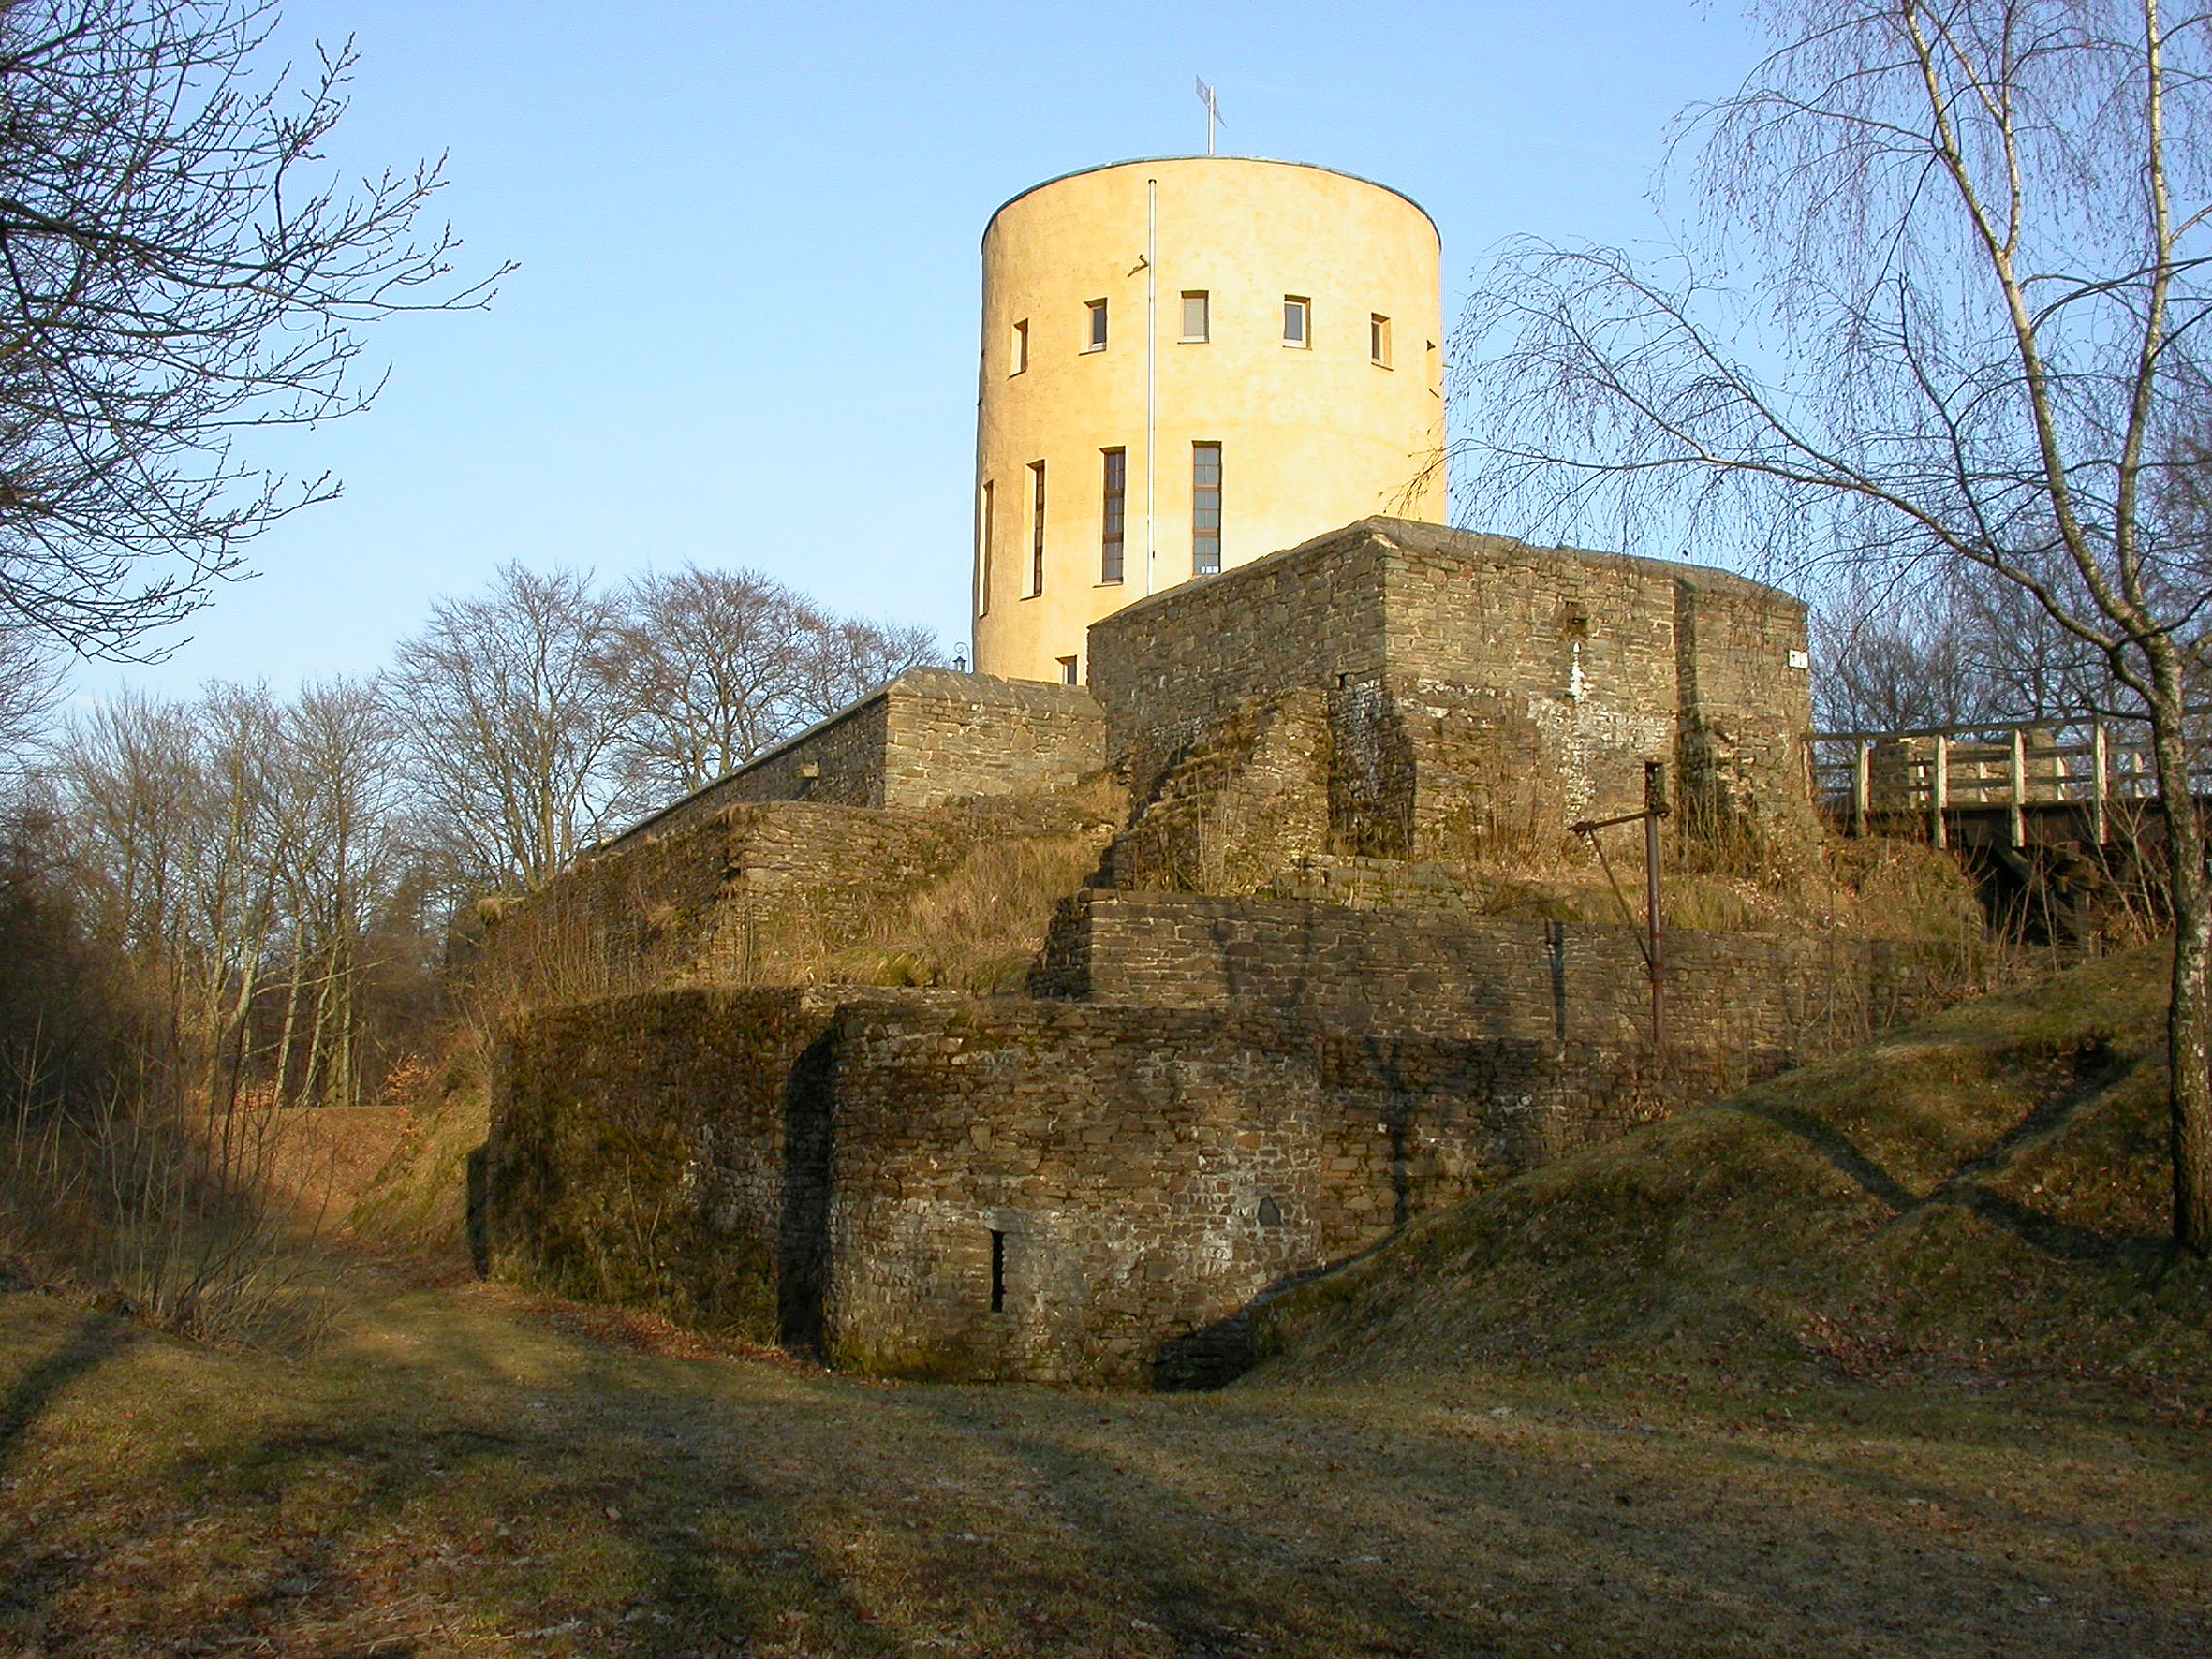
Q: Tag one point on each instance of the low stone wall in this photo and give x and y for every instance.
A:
(750, 895)
(1759, 1001)
(755, 895)
(1089, 1193)
(834, 1177)
(927, 738)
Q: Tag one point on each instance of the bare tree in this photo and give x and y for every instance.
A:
(1961, 648)
(847, 659)
(1973, 232)
(341, 749)
(512, 717)
(1894, 666)
(176, 263)
(30, 685)
(711, 665)
(172, 830)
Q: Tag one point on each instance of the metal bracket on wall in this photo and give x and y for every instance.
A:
(1652, 946)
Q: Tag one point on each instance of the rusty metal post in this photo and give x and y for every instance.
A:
(1655, 808)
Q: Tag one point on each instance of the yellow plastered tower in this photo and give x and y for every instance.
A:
(1187, 364)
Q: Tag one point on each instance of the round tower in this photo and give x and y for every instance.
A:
(1187, 364)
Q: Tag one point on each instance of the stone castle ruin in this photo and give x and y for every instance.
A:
(1270, 1019)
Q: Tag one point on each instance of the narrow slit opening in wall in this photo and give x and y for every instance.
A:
(998, 1272)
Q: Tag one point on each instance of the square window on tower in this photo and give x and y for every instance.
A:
(1094, 335)
(1197, 318)
(1297, 322)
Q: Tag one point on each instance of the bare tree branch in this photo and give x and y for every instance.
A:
(177, 263)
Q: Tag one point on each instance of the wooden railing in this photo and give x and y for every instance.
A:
(2090, 764)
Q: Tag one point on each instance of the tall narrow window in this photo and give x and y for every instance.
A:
(1113, 514)
(1018, 350)
(1297, 322)
(983, 527)
(1094, 337)
(1069, 671)
(1037, 528)
(1197, 318)
(1205, 509)
(998, 1272)
(1378, 340)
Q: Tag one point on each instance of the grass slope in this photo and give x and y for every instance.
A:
(463, 1472)
(1988, 1188)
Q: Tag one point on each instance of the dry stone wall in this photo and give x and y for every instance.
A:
(834, 1178)
(1479, 694)
(1086, 1194)
(1747, 1003)
(668, 1151)
(1746, 710)
(751, 895)
(759, 894)
(1094, 1187)
(928, 737)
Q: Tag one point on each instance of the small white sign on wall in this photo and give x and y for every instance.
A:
(1801, 659)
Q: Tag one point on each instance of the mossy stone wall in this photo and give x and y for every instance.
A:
(663, 1151)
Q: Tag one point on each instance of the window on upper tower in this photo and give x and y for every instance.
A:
(1036, 527)
(1378, 340)
(1197, 318)
(1205, 509)
(1094, 337)
(1018, 352)
(1068, 674)
(1297, 321)
(1113, 514)
(983, 529)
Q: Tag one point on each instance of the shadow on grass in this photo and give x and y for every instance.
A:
(409, 1503)
(27, 1402)
(1963, 1188)
(1250, 1542)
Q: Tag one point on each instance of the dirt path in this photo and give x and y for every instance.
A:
(465, 1472)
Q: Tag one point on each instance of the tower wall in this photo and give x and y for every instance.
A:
(1311, 438)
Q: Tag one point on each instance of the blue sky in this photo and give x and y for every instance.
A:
(744, 328)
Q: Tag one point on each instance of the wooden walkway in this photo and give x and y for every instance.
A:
(2031, 784)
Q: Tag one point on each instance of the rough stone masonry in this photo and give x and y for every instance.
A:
(1271, 1027)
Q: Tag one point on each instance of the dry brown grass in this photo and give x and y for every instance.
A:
(465, 1473)
(1987, 1190)
(184, 1220)
(981, 926)
(1691, 1402)
(1874, 888)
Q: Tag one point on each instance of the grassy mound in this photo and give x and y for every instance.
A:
(416, 1205)
(1988, 1188)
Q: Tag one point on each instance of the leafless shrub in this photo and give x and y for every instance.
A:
(160, 1213)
